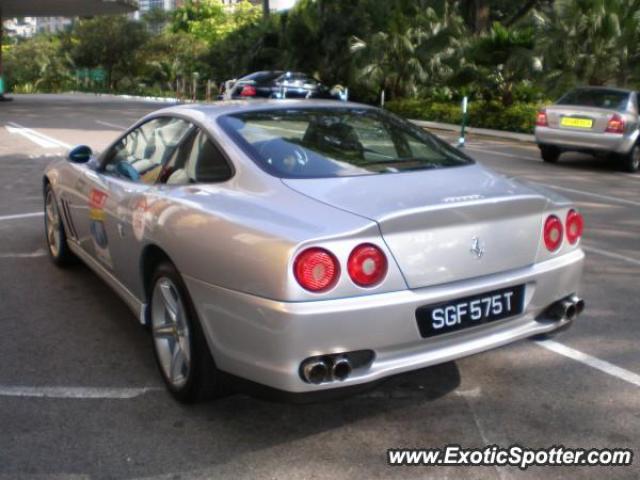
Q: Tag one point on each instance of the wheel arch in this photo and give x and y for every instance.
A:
(152, 255)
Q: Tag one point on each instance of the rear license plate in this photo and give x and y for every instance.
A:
(470, 311)
(576, 122)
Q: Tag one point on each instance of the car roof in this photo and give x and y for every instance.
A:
(214, 110)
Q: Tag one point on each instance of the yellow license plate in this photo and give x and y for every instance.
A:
(576, 122)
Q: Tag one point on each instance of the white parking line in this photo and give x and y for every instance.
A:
(39, 138)
(38, 253)
(591, 194)
(75, 392)
(503, 154)
(21, 215)
(617, 256)
(593, 362)
(112, 125)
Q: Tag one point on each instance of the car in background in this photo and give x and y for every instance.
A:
(278, 84)
(596, 120)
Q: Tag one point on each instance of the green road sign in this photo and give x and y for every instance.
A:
(98, 75)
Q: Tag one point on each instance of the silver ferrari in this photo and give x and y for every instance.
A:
(307, 246)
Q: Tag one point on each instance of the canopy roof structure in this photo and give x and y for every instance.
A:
(64, 8)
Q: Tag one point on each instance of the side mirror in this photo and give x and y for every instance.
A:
(80, 154)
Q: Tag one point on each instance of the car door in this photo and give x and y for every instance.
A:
(125, 184)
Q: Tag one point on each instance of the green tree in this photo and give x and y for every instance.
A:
(38, 64)
(111, 42)
(210, 20)
(496, 62)
(171, 56)
(590, 41)
(410, 53)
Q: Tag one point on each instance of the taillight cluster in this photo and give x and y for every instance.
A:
(248, 91)
(615, 124)
(554, 231)
(317, 269)
(541, 119)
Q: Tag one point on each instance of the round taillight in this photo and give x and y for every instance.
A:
(367, 265)
(316, 269)
(574, 226)
(552, 233)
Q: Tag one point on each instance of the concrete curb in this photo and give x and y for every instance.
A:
(485, 132)
(135, 98)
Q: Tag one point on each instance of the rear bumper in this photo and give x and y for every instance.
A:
(580, 140)
(265, 341)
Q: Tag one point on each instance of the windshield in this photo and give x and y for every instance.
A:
(336, 142)
(599, 98)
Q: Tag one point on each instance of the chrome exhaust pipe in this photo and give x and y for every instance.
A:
(341, 368)
(579, 303)
(563, 309)
(315, 371)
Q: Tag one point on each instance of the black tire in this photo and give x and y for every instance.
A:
(202, 381)
(550, 154)
(631, 161)
(56, 238)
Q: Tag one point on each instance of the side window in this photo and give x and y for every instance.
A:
(141, 155)
(199, 161)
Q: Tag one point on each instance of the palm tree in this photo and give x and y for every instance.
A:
(499, 60)
(591, 41)
(402, 58)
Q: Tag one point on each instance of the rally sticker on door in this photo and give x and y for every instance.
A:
(139, 218)
(97, 200)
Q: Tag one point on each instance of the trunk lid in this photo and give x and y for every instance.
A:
(598, 116)
(442, 225)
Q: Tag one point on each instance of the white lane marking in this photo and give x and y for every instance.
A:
(75, 392)
(37, 140)
(510, 155)
(112, 125)
(591, 194)
(28, 132)
(593, 362)
(21, 215)
(38, 253)
(617, 256)
(632, 176)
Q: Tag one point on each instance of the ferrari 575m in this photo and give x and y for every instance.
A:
(311, 245)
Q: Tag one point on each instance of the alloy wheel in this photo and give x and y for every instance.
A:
(171, 334)
(52, 224)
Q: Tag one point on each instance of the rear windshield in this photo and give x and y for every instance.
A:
(336, 142)
(609, 99)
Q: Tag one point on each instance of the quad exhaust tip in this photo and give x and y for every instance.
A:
(326, 369)
(568, 308)
(341, 369)
(315, 371)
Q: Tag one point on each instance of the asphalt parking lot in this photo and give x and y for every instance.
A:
(80, 396)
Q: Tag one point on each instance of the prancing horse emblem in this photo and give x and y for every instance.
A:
(477, 247)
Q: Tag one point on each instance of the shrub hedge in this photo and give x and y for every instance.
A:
(519, 117)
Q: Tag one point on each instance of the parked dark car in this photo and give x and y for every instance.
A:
(278, 84)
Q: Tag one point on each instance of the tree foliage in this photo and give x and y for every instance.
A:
(111, 42)
(493, 50)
